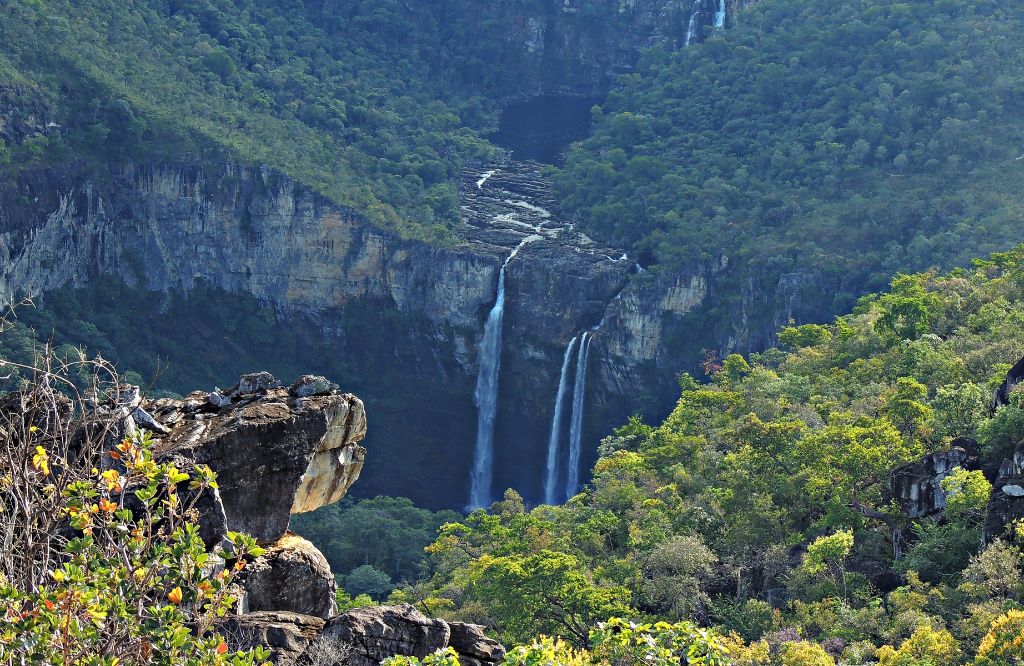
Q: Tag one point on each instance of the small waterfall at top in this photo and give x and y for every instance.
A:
(720, 15)
(486, 394)
(551, 480)
(691, 29)
(579, 389)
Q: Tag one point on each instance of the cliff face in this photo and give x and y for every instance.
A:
(407, 316)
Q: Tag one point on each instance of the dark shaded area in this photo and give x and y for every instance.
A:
(542, 129)
(176, 342)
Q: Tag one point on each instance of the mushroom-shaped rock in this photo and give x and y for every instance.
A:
(287, 635)
(473, 646)
(292, 575)
(366, 636)
(274, 454)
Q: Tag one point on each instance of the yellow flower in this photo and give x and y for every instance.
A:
(113, 479)
(41, 461)
(174, 596)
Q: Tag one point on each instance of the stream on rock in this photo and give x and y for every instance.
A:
(511, 201)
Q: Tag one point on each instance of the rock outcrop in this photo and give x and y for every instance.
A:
(292, 575)
(287, 635)
(274, 453)
(279, 451)
(1007, 502)
(917, 487)
(365, 636)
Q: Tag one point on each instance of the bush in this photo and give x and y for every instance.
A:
(105, 565)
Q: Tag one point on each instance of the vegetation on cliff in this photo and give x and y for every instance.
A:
(849, 139)
(761, 506)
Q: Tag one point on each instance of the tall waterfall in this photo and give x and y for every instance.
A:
(579, 389)
(691, 29)
(720, 15)
(551, 480)
(486, 394)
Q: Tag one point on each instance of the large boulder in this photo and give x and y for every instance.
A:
(274, 453)
(473, 646)
(292, 575)
(366, 636)
(287, 635)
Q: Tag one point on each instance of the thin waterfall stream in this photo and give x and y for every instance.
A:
(579, 389)
(551, 480)
(486, 394)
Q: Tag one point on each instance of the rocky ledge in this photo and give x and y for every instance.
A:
(279, 451)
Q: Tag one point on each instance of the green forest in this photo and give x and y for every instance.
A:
(847, 138)
(875, 145)
(762, 505)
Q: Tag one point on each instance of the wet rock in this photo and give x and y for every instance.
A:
(292, 575)
(369, 635)
(473, 646)
(286, 634)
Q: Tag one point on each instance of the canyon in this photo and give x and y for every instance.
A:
(408, 318)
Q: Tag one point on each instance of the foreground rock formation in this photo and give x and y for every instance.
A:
(280, 451)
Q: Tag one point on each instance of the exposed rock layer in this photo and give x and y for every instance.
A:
(274, 454)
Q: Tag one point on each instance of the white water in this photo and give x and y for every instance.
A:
(572, 485)
(691, 29)
(720, 15)
(484, 177)
(551, 481)
(486, 394)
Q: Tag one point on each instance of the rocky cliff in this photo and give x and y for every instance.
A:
(280, 451)
(405, 317)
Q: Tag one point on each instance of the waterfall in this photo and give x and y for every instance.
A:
(691, 29)
(486, 394)
(720, 15)
(551, 481)
(579, 389)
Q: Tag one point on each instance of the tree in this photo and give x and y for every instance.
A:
(543, 593)
(1003, 645)
(935, 647)
(369, 581)
(826, 556)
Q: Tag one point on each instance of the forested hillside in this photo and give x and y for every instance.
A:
(260, 82)
(764, 504)
(847, 139)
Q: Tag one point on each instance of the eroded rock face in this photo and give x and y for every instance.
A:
(1007, 501)
(292, 575)
(286, 634)
(273, 453)
(917, 486)
(473, 646)
(369, 635)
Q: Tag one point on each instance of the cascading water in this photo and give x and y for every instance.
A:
(720, 15)
(691, 29)
(486, 394)
(579, 389)
(551, 480)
